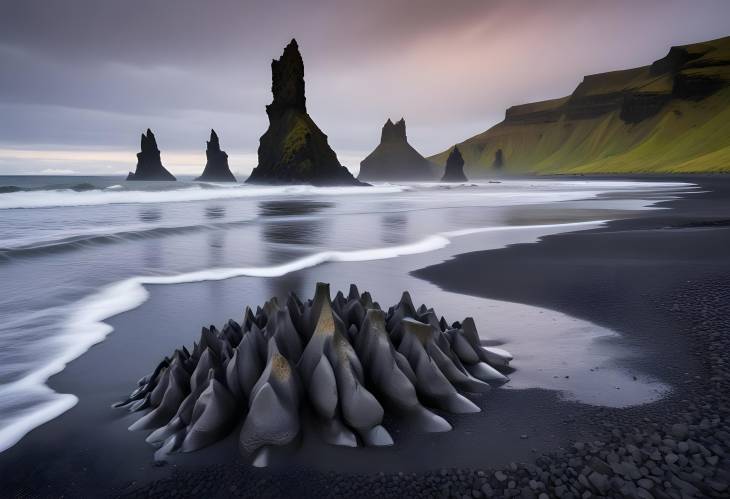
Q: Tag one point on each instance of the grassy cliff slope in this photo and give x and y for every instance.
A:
(670, 117)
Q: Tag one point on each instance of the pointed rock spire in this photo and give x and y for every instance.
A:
(287, 82)
(294, 150)
(149, 165)
(216, 168)
(454, 171)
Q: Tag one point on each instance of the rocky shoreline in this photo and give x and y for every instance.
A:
(661, 454)
(677, 447)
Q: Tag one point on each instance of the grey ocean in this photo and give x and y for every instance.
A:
(75, 251)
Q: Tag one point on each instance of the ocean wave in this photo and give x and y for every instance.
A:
(85, 326)
(206, 192)
(102, 236)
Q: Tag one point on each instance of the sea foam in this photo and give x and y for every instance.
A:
(207, 192)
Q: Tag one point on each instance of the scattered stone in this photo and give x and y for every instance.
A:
(680, 431)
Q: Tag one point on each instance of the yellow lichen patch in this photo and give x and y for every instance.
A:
(421, 331)
(326, 321)
(342, 347)
(296, 139)
(280, 367)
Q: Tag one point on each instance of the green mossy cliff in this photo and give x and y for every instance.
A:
(672, 116)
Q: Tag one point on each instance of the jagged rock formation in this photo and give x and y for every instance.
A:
(149, 165)
(395, 158)
(344, 360)
(294, 150)
(216, 168)
(671, 116)
(454, 171)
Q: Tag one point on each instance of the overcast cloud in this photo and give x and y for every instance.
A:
(81, 79)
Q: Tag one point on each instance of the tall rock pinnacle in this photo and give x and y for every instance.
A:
(216, 169)
(294, 150)
(149, 165)
(395, 158)
(454, 171)
(287, 83)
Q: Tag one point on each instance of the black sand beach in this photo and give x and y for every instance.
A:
(660, 279)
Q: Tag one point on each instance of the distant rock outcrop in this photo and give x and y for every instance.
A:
(149, 165)
(395, 158)
(454, 167)
(216, 168)
(294, 150)
(498, 159)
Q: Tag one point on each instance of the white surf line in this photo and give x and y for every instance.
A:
(85, 326)
(69, 198)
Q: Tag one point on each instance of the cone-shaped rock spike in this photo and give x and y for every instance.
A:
(344, 360)
(273, 416)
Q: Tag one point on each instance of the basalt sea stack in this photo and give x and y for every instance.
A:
(294, 150)
(395, 158)
(454, 171)
(345, 362)
(149, 165)
(216, 168)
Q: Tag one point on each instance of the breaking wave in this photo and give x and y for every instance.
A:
(205, 192)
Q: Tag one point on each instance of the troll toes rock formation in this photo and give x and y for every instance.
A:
(216, 168)
(454, 171)
(294, 150)
(149, 165)
(345, 362)
(395, 158)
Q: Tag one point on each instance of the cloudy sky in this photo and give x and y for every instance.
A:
(81, 79)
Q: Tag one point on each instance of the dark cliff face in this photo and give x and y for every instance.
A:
(216, 168)
(692, 72)
(149, 165)
(454, 171)
(294, 150)
(395, 158)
